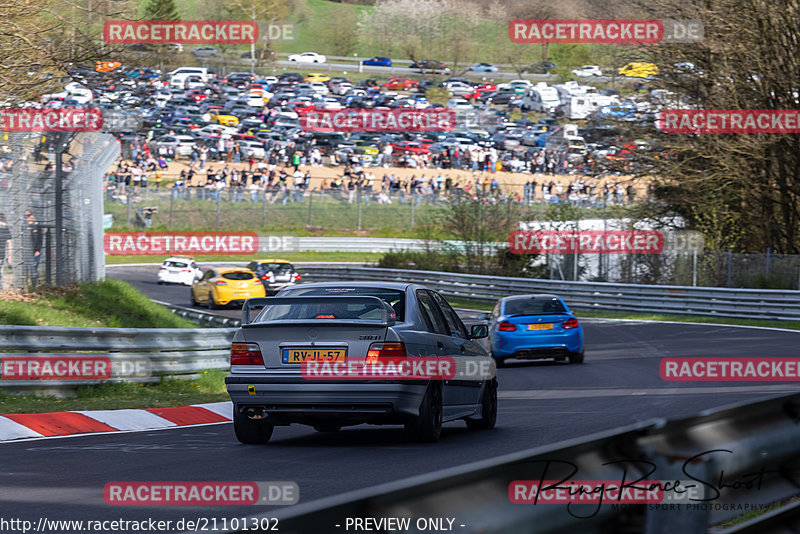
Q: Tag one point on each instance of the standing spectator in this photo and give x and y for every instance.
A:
(229, 151)
(474, 156)
(387, 155)
(35, 237)
(630, 191)
(254, 188)
(203, 156)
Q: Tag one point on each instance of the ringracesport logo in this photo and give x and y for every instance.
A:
(124, 243)
(379, 120)
(605, 31)
(183, 32)
(729, 121)
(50, 120)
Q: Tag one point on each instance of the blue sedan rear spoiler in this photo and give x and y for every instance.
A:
(388, 316)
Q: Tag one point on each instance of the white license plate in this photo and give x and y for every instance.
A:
(245, 294)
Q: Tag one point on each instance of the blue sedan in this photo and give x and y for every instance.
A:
(533, 327)
(378, 61)
(482, 67)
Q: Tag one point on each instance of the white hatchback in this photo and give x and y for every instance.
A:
(178, 270)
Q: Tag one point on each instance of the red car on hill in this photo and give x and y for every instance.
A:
(479, 90)
(399, 83)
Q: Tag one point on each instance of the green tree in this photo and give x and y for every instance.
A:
(161, 10)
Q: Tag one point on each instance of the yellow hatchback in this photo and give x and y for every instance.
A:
(317, 77)
(225, 120)
(639, 69)
(222, 286)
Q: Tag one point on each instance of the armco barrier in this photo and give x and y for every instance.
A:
(203, 318)
(761, 435)
(598, 296)
(165, 351)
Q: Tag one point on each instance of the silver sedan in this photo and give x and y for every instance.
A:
(343, 322)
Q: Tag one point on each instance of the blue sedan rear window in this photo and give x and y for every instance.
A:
(534, 306)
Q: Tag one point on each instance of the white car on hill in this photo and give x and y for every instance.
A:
(307, 57)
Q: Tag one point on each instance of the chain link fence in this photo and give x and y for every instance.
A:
(51, 207)
(702, 268)
(194, 208)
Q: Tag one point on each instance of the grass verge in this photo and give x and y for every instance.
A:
(209, 387)
(791, 325)
(111, 303)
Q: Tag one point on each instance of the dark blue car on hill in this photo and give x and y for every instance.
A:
(378, 61)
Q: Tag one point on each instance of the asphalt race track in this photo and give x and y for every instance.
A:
(540, 403)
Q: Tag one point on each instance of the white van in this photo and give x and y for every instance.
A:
(568, 90)
(581, 107)
(198, 71)
(542, 98)
(79, 93)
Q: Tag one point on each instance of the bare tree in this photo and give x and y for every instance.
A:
(41, 41)
(749, 59)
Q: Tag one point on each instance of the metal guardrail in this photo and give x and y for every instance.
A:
(597, 296)
(154, 352)
(211, 320)
(762, 435)
(375, 244)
